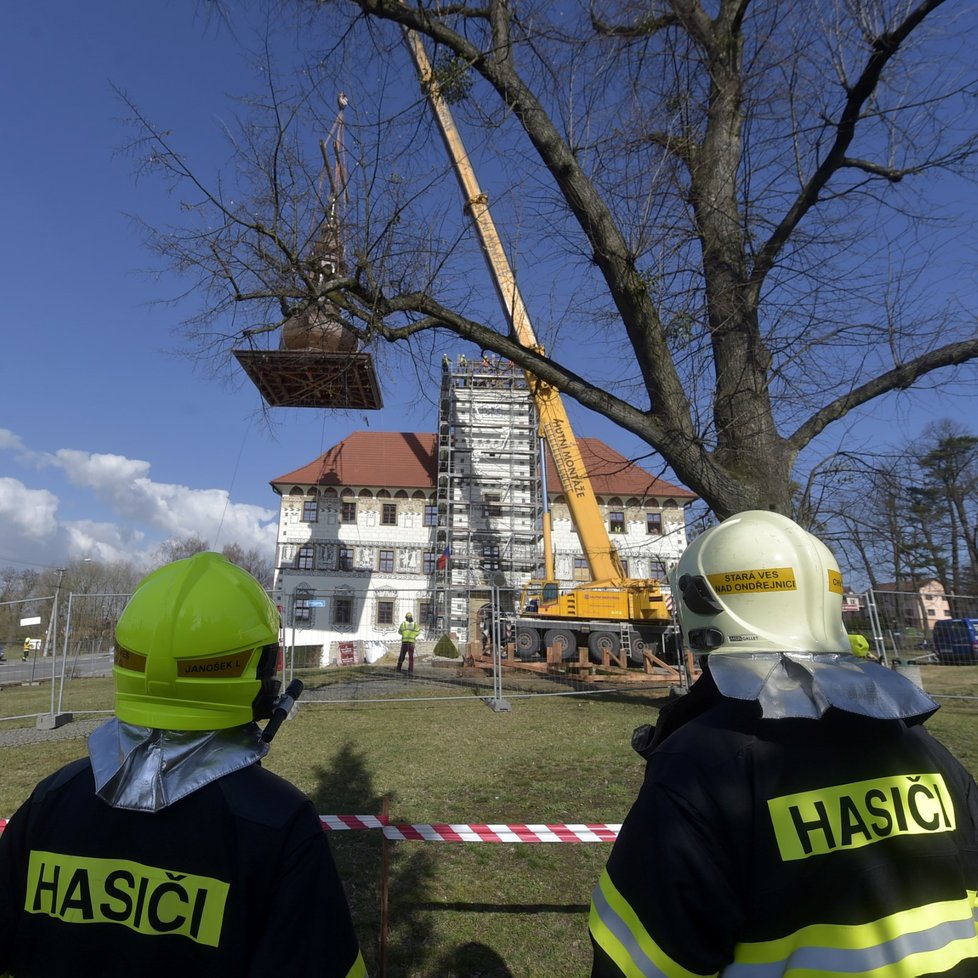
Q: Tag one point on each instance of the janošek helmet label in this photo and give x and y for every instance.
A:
(760, 580)
(848, 816)
(147, 899)
(216, 667)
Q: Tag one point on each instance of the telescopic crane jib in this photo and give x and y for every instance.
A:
(613, 610)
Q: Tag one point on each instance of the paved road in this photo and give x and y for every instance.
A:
(38, 668)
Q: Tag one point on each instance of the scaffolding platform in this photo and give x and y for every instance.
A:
(312, 378)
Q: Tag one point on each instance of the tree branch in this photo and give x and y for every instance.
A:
(885, 48)
(899, 378)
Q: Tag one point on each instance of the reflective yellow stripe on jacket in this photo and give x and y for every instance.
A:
(359, 969)
(925, 940)
(618, 931)
(922, 941)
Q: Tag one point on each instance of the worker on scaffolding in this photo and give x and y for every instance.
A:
(795, 817)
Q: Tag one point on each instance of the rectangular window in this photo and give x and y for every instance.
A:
(653, 524)
(388, 514)
(426, 613)
(348, 512)
(385, 561)
(385, 612)
(430, 562)
(431, 516)
(342, 611)
(493, 505)
(490, 557)
(310, 510)
(344, 559)
(304, 559)
(657, 569)
(581, 570)
(302, 611)
(616, 522)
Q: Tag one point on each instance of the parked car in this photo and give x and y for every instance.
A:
(956, 641)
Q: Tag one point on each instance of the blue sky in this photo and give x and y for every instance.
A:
(110, 440)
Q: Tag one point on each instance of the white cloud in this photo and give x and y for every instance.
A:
(98, 471)
(10, 441)
(107, 543)
(142, 513)
(31, 513)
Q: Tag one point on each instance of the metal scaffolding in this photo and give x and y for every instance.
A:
(488, 493)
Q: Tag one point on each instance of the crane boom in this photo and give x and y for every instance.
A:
(604, 563)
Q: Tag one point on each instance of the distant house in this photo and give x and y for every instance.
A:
(389, 522)
(905, 604)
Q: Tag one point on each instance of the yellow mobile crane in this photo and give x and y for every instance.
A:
(613, 612)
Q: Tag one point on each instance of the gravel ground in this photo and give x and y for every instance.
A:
(19, 736)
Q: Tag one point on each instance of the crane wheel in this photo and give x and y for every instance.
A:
(600, 642)
(562, 641)
(527, 643)
(639, 644)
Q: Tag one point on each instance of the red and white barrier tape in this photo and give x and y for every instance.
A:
(503, 833)
(455, 832)
(342, 823)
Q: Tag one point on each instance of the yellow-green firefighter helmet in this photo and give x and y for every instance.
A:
(859, 645)
(196, 648)
(758, 582)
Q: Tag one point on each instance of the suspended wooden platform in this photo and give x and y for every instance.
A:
(312, 378)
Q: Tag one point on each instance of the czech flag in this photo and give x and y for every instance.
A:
(442, 561)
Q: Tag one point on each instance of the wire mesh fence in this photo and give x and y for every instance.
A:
(68, 662)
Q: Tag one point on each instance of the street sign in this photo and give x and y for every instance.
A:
(317, 603)
(30, 621)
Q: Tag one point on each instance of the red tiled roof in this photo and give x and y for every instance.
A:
(409, 460)
(373, 458)
(614, 475)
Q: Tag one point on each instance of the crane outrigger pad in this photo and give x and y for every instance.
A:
(312, 378)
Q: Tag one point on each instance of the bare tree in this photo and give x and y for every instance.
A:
(907, 514)
(256, 562)
(728, 210)
(178, 548)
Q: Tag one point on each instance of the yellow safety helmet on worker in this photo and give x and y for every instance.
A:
(758, 582)
(196, 648)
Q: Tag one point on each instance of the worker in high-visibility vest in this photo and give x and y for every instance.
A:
(796, 818)
(409, 632)
(169, 850)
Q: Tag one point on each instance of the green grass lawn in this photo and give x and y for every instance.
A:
(465, 909)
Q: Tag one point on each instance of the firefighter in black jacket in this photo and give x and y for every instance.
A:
(795, 818)
(170, 851)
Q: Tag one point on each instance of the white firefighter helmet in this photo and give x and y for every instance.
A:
(758, 582)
